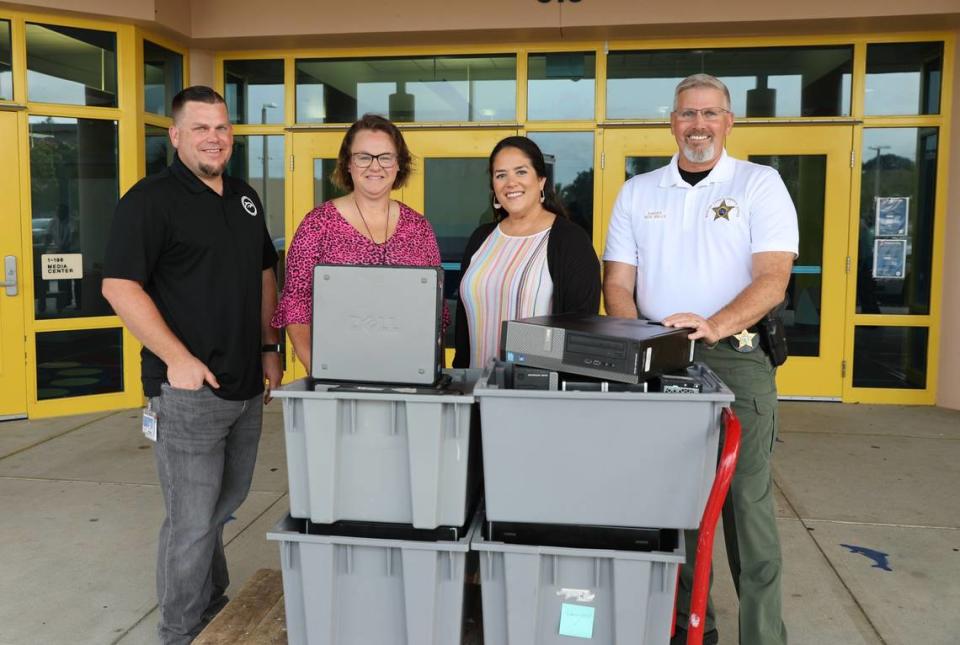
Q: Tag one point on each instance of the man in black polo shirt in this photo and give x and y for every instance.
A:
(190, 271)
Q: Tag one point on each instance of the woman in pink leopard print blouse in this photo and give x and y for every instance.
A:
(364, 226)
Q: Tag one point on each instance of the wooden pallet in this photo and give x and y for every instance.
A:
(254, 617)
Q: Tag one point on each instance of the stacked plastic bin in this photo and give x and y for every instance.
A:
(573, 463)
(383, 484)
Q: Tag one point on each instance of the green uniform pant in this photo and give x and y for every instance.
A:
(749, 524)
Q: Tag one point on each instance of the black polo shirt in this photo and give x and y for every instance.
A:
(200, 257)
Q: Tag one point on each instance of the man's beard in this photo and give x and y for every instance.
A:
(699, 155)
(210, 172)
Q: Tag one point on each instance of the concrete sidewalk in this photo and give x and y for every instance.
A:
(81, 509)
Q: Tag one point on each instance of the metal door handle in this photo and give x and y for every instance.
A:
(10, 275)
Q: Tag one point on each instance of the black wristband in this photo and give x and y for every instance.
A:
(274, 347)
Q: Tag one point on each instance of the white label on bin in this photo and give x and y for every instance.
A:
(580, 595)
(647, 359)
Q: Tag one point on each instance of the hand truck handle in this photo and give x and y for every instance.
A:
(708, 524)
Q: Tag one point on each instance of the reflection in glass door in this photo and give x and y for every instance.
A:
(450, 185)
(13, 395)
(814, 164)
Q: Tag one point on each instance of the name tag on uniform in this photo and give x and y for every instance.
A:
(150, 424)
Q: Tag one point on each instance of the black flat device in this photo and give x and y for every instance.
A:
(612, 349)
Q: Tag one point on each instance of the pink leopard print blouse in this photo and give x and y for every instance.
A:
(325, 237)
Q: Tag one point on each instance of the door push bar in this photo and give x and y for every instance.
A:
(10, 275)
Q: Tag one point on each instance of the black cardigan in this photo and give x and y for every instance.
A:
(573, 266)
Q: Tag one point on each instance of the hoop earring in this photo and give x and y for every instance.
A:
(542, 196)
(496, 205)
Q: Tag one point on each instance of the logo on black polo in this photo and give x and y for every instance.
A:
(248, 205)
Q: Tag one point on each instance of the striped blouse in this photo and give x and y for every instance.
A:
(507, 279)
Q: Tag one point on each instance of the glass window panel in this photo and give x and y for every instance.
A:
(569, 157)
(162, 77)
(254, 90)
(432, 88)
(159, 150)
(457, 199)
(323, 187)
(897, 188)
(890, 357)
(71, 65)
(639, 165)
(74, 189)
(806, 180)
(78, 363)
(561, 86)
(258, 160)
(6, 62)
(904, 78)
(763, 82)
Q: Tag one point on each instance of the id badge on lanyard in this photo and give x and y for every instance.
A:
(150, 422)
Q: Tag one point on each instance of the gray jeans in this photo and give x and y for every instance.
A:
(206, 449)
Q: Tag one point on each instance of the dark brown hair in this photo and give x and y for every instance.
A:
(341, 174)
(551, 201)
(198, 93)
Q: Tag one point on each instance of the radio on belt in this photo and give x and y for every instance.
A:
(614, 349)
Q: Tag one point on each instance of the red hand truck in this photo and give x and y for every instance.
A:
(708, 525)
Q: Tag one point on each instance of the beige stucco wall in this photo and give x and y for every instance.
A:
(175, 15)
(948, 391)
(140, 10)
(224, 20)
(201, 67)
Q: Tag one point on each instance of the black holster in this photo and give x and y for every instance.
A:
(773, 336)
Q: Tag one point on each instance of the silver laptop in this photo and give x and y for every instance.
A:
(376, 324)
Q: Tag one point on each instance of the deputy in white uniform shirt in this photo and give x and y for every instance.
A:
(708, 243)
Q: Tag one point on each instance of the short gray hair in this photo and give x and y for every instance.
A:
(700, 80)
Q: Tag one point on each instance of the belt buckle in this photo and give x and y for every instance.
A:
(746, 341)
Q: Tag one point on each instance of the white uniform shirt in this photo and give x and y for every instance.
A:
(692, 245)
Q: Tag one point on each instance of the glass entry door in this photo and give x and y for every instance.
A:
(449, 185)
(13, 389)
(814, 162)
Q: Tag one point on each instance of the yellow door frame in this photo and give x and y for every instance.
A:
(13, 368)
(809, 377)
(822, 375)
(130, 120)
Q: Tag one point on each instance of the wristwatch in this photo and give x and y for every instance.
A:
(273, 347)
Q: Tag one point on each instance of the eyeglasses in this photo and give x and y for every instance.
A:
(708, 114)
(364, 159)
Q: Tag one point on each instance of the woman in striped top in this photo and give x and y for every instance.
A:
(531, 261)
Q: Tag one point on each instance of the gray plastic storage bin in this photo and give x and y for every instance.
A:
(607, 458)
(352, 591)
(537, 595)
(382, 456)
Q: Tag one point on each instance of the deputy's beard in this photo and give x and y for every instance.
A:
(699, 155)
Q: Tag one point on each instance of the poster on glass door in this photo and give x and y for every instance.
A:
(892, 216)
(889, 259)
